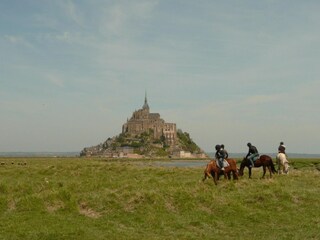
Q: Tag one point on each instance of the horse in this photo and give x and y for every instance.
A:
(264, 160)
(213, 170)
(283, 163)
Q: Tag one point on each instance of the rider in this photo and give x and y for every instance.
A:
(282, 148)
(220, 156)
(225, 151)
(253, 154)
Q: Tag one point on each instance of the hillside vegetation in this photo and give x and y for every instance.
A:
(144, 144)
(80, 198)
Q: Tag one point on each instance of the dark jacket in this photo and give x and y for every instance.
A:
(226, 155)
(282, 149)
(220, 154)
(252, 150)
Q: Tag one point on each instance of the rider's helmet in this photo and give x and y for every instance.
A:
(248, 144)
(222, 146)
(218, 147)
(281, 143)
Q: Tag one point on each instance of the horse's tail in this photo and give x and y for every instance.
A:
(208, 171)
(273, 169)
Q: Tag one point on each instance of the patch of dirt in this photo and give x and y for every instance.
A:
(88, 212)
(55, 206)
(12, 205)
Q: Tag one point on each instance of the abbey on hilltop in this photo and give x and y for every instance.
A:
(142, 120)
(146, 134)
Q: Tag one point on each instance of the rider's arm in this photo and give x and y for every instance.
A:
(248, 153)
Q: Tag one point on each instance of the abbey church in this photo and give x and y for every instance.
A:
(142, 120)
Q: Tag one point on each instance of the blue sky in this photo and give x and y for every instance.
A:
(232, 72)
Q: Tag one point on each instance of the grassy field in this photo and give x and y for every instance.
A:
(73, 198)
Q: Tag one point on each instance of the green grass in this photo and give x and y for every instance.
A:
(71, 198)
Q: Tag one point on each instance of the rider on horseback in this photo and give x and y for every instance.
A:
(253, 154)
(220, 156)
(225, 151)
(282, 159)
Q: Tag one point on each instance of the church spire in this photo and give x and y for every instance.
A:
(145, 105)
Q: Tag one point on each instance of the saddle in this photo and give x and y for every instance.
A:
(225, 163)
(254, 159)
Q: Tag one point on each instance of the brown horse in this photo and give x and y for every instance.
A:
(213, 170)
(264, 161)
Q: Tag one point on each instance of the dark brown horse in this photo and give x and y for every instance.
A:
(213, 170)
(264, 161)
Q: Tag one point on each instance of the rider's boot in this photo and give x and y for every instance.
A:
(252, 164)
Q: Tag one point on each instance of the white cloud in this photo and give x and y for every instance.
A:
(71, 10)
(55, 80)
(42, 20)
(64, 37)
(18, 40)
(13, 39)
(118, 18)
(258, 99)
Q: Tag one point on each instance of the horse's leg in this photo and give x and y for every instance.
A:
(280, 168)
(225, 175)
(279, 165)
(205, 177)
(229, 175)
(235, 175)
(249, 172)
(270, 171)
(264, 171)
(286, 167)
(235, 172)
(215, 179)
(207, 174)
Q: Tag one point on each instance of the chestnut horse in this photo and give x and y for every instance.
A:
(213, 170)
(263, 161)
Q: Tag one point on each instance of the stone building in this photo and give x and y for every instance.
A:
(142, 121)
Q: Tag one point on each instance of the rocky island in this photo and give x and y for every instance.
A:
(147, 135)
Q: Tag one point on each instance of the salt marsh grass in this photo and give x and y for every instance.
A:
(79, 198)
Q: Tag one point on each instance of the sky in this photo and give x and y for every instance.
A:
(231, 72)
